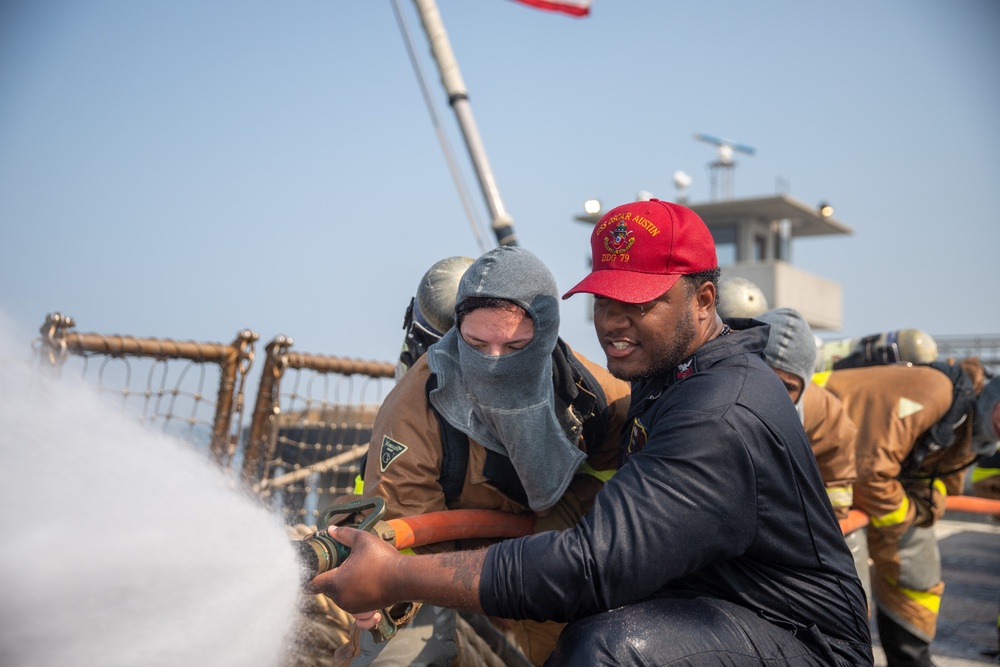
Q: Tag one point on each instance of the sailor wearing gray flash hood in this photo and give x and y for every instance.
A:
(791, 353)
(791, 347)
(506, 402)
(535, 427)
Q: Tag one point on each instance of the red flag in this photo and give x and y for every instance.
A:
(571, 7)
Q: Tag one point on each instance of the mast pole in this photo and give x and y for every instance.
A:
(458, 98)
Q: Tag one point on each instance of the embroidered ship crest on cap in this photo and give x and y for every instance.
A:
(618, 240)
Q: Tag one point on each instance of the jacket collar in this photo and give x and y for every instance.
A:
(749, 338)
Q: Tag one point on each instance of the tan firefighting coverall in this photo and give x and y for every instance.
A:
(892, 406)
(831, 435)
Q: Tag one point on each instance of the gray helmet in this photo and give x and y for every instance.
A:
(434, 306)
(738, 297)
(432, 311)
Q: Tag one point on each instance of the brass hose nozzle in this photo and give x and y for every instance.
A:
(319, 552)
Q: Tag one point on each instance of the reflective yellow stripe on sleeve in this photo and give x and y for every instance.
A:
(841, 496)
(923, 598)
(359, 486)
(979, 474)
(941, 488)
(587, 469)
(893, 518)
(821, 378)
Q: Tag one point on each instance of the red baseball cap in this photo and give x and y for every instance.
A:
(641, 249)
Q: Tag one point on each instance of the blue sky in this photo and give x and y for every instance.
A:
(190, 169)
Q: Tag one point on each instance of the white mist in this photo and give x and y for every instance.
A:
(123, 547)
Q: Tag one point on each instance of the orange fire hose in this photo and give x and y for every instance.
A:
(855, 519)
(433, 527)
(423, 529)
(417, 531)
(972, 504)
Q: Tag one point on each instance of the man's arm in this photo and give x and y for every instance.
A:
(375, 576)
(832, 435)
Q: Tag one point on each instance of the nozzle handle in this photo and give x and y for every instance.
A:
(354, 506)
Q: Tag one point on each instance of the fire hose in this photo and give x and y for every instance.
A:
(973, 505)
(319, 552)
(970, 504)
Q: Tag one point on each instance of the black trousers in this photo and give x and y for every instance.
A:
(902, 647)
(699, 631)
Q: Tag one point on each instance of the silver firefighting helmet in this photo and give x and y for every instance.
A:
(432, 310)
(890, 347)
(738, 297)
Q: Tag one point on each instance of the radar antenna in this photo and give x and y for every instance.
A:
(721, 171)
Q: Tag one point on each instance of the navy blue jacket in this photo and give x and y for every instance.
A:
(719, 495)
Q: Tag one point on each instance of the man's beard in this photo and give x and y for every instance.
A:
(667, 354)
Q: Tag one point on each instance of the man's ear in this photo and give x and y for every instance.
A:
(705, 297)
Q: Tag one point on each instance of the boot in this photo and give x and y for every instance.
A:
(902, 647)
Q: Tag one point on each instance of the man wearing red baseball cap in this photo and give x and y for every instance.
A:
(640, 253)
(714, 542)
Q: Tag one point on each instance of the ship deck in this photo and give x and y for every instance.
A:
(970, 560)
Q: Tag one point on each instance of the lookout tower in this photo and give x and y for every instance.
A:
(721, 170)
(753, 239)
